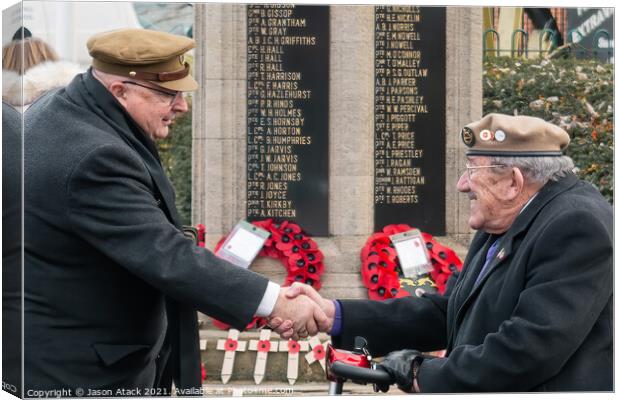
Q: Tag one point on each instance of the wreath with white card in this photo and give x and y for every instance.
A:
(297, 252)
(381, 267)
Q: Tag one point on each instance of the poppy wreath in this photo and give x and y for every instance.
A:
(297, 252)
(380, 267)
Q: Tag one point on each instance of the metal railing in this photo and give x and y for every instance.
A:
(519, 40)
(596, 49)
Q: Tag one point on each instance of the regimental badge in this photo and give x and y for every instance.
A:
(500, 136)
(418, 286)
(467, 135)
(486, 135)
(182, 58)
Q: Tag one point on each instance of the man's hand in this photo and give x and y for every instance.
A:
(285, 327)
(301, 315)
(401, 365)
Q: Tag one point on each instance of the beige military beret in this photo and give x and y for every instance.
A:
(506, 135)
(145, 55)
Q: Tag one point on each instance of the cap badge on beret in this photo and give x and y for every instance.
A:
(467, 135)
(500, 136)
(486, 135)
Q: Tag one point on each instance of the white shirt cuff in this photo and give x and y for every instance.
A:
(269, 300)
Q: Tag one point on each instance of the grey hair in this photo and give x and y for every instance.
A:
(539, 169)
(106, 78)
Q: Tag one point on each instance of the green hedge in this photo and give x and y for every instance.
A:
(577, 95)
(176, 157)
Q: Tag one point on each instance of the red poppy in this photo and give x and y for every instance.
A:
(394, 229)
(387, 288)
(319, 352)
(293, 346)
(231, 344)
(264, 224)
(308, 244)
(263, 346)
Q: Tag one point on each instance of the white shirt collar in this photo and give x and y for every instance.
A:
(528, 202)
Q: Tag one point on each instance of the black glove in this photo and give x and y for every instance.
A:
(399, 364)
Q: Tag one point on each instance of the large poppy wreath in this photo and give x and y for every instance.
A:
(297, 252)
(380, 266)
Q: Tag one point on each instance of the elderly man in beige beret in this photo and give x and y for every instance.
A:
(111, 284)
(532, 308)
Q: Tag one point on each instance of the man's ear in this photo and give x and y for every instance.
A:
(517, 183)
(118, 90)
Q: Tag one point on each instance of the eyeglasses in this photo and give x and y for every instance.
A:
(174, 96)
(469, 168)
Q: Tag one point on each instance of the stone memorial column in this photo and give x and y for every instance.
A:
(463, 105)
(351, 121)
(219, 126)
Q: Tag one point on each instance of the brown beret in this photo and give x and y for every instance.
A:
(144, 54)
(506, 135)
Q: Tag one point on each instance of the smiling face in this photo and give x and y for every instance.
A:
(153, 111)
(492, 195)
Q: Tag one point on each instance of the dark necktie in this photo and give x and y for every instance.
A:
(490, 255)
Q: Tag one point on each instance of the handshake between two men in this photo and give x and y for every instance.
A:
(301, 312)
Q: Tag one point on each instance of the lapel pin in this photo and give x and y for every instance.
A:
(501, 254)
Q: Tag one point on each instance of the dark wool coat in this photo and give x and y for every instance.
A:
(11, 249)
(540, 319)
(111, 283)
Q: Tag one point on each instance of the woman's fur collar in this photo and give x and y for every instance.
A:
(37, 80)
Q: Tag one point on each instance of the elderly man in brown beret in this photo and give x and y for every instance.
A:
(111, 283)
(532, 308)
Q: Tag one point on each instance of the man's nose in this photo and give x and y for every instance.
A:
(180, 104)
(463, 184)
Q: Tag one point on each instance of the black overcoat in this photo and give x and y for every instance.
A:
(111, 283)
(540, 319)
(11, 249)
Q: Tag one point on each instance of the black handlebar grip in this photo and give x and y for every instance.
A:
(361, 375)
